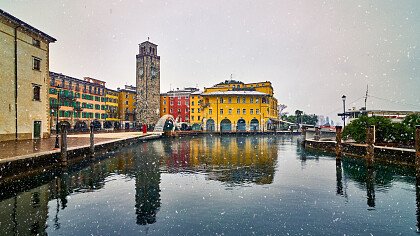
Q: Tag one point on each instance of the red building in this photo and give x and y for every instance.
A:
(177, 104)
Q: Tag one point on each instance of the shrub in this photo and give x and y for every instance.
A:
(386, 131)
(357, 129)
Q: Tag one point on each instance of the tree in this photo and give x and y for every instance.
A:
(410, 122)
(386, 131)
(357, 128)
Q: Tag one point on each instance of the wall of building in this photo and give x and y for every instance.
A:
(112, 106)
(126, 106)
(196, 115)
(91, 103)
(248, 108)
(28, 109)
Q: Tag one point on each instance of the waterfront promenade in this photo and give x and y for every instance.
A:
(12, 150)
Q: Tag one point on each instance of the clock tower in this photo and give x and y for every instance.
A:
(148, 84)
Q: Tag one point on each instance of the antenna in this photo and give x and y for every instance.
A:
(148, 39)
(231, 76)
(367, 89)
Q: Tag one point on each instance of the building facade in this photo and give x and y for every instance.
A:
(24, 74)
(148, 84)
(112, 120)
(196, 110)
(127, 106)
(177, 104)
(78, 102)
(234, 106)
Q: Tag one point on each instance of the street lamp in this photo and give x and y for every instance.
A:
(344, 109)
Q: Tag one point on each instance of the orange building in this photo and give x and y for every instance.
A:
(127, 106)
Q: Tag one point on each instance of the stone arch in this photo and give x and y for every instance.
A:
(117, 125)
(96, 125)
(225, 125)
(254, 125)
(80, 126)
(210, 125)
(241, 125)
(107, 124)
(64, 122)
(165, 123)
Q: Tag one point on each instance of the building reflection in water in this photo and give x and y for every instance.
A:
(147, 177)
(26, 213)
(231, 159)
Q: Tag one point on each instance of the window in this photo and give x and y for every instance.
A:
(36, 43)
(199, 118)
(243, 100)
(37, 92)
(251, 100)
(238, 100)
(257, 111)
(126, 96)
(164, 102)
(230, 111)
(192, 110)
(244, 111)
(164, 110)
(192, 117)
(198, 110)
(256, 100)
(36, 65)
(179, 103)
(251, 111)
(172, 103)
(192, 103)
(179, 110)
(126, 102)
(171, 110)
(210, 111)
(229, 100)
(221, 111)
(221, 100)
(186, 102)
(238, 111)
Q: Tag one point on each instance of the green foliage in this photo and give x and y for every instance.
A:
(386, 131)
(301, 118)
(410, 122)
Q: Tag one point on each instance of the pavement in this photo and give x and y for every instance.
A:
(13, 149)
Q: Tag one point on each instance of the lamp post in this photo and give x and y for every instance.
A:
(344, 109)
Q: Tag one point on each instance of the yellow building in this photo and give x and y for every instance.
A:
(81, 101)
(234, 106)
(24, 68)
(127, 106)
(112, 119)
(196, 115)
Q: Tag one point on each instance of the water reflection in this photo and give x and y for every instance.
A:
(25, 213)
(147, 177)
(233, 160)
(339, 177)
(38, 204)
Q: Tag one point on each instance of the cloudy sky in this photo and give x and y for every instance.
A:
(312, 51)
